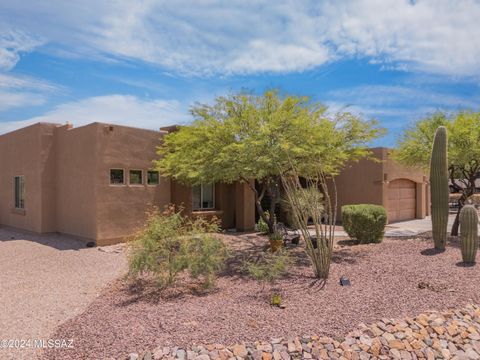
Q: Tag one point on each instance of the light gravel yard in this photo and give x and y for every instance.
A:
(47, 279)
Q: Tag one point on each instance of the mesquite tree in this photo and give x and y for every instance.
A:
(463, 129)
(242, 137)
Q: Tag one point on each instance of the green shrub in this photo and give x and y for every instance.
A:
(262, 226)
(170, 243)
(364, 222)
(269, 267)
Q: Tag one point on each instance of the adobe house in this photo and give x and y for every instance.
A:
(403, 191)
(96, 182)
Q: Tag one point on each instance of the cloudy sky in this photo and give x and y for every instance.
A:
(144, 63)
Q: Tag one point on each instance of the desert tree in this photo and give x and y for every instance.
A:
(244, 136)
(415, 145)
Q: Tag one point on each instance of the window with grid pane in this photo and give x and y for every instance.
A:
(203, 197)
(19, 192)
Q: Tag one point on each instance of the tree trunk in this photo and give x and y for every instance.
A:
(270, 220)
(469, 191)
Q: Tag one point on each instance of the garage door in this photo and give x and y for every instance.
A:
(401, 200)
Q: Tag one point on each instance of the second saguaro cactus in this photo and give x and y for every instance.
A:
(469, 233)
(439, 188)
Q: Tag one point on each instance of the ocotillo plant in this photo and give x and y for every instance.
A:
(469, 233)
(439, 188)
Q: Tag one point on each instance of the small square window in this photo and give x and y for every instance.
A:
(117, 177)
(153, 178)
(136, 177)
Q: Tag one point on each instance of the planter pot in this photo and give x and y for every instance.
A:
(276, 245)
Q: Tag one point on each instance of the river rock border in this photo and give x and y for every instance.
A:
(453, 334)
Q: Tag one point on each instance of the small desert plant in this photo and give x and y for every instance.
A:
(276, 241)
(469, 233)
(364, 222)
(170, 243)
(269, 267)
(262, 226)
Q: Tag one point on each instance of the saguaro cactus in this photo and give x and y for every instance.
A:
(469, 233)
(439, 188)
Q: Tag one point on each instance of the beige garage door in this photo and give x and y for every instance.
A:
(401, 200)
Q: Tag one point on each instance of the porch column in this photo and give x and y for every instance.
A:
(421, 200)
(244, 207)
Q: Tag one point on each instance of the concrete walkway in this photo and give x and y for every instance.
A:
(406, 228)
(414, 227)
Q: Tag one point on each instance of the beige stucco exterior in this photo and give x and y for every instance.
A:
(369, 182)
(68, 190)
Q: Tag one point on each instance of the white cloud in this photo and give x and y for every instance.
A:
(12, 44)
(402, 103)
(23, 91)
(117, 109)
(217, 37)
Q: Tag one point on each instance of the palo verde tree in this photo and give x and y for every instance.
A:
(415, 145)
(243, 136)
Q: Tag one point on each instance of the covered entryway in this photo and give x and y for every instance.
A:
(401, 200)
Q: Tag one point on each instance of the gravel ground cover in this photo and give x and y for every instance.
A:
(390, 280)
(45, 280)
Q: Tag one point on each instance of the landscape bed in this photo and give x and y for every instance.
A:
(393, 279)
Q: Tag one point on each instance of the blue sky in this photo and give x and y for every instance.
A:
(145, 63)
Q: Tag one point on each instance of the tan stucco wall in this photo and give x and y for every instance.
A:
(366, 182)
(121, 209)
(27, 152)
(76, 150)
(67, 181)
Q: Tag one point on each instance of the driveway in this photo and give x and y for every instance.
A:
(414, 227)
(45, 280)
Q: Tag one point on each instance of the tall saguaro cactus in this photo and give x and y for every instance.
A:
(469, 233)
(439, 188)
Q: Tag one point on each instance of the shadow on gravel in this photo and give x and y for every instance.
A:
(147, 290)
(464, 265)
(431, 252)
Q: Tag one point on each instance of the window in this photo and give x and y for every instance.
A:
(19, 192)
(203, 197)
(153, 178)
(116, 177)
(136, 177)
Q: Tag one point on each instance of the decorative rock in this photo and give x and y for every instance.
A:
(239, 350)
(449, 335)
(202, 357)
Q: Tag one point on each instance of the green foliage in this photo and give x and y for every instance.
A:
(414, 148)
(439, 189)
(364, 222)
(276, 300)
(307, 199)
(171, 243)
(262, 226)
(469, 233)
(269, 267)
(245, 136)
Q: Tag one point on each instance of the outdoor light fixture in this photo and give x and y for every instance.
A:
(344, 281)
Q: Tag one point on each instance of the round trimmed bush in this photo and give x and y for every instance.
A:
(364, 222)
